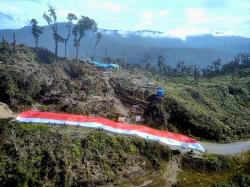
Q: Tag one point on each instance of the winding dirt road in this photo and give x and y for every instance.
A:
(230, 148)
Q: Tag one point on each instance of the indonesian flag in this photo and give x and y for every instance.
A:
(165, 137)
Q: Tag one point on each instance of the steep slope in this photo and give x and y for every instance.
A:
(32, 78)
(212, 109)
(216, 109)
(29, 156)
(35, 155)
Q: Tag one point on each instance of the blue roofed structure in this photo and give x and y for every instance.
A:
(105, 66)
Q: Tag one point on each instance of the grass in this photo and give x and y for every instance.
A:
(198, 179)
(238, 166)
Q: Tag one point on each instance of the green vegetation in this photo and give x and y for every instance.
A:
(83, 25)
(51, 19)
(35, 155)
(215, 108)
(36, 31)
(216, 171)
(36, 77)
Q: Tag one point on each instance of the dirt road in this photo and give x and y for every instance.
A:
(230, 148)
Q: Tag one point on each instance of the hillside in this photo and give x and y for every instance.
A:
(132, 46)
(29, 156)
(85, 157)
(216, 109)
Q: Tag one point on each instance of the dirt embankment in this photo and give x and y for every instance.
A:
(5, 111)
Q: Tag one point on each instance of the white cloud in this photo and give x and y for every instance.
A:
(62, 13)
(189, 31)
(108, 6)
(163, 13)
(149, 17)
(10, 8)
(196, 15)
(7, 21)
(114, 7)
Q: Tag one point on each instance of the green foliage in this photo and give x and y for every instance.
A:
(237, 181)
(36, 30)
(215, 170)
(51, 19)
(69, 156)
(212, 164)
(83, 25)
(217, 110)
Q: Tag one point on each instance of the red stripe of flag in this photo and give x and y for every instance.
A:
(107, 122)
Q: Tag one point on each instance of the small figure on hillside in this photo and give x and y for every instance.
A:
(138, 119)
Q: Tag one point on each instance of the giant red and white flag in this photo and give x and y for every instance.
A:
(169, 138)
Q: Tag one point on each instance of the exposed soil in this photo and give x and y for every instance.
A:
(5, 111)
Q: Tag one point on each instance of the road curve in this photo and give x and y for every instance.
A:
(230, 148)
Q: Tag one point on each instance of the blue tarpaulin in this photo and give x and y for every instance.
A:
(105, 66)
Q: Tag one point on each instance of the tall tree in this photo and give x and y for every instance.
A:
(98, 38)
(83, 25)
(75, 34)
(196, 73)
(181, 66)
(146, 61)
(51, 19)
(36, 30)
(160, 63)
(71, 17)
(217, 64)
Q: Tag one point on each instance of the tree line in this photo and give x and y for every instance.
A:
(79, 30)
(159, 65)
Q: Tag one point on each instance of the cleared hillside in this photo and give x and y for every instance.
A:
(36, 154)
(216, 109)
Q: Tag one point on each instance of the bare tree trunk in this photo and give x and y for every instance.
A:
(14, 38)
(36, 42)
(65, 49)
(56, 47)
(76, 53)
(94, 51)
(4, 44)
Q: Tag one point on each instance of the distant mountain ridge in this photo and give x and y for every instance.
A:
(133, 45)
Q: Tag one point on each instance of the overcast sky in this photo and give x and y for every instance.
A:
(173, 17)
